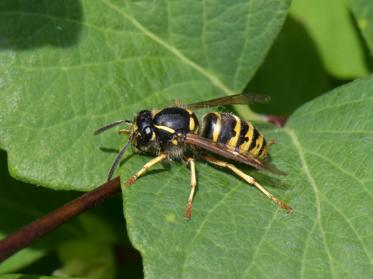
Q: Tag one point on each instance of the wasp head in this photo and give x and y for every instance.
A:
(144, 129)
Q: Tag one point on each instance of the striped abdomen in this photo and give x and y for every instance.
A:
(233, 132)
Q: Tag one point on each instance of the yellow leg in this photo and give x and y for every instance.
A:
(147, 166)
(193, 185)
(249, 180)
(124, 132)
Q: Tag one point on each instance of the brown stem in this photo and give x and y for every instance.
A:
(33, 231)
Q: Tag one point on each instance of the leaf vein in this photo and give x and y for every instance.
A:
(299, 149)
(338, 167)
(213, 79)
(352, 229)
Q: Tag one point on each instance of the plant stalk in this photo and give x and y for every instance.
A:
(40, 227)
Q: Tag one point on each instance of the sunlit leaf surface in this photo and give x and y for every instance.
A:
(326, 149)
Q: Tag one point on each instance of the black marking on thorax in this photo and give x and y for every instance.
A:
(174, 118)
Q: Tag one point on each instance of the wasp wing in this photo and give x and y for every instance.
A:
(222, 150)
(237, 99)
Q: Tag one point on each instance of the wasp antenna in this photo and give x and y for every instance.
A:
(119, 156)
(110, 125)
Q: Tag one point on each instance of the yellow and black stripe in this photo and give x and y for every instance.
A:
(235, 133)
(211, 126)
(193, 121)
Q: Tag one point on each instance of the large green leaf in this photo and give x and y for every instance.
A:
(327, 150)
(68, 67)
(363, 12)
(342, 51)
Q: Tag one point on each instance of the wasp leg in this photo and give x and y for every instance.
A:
(124, 132)
(249, 180)
(271, 142)
(147, 166)
(193, 185)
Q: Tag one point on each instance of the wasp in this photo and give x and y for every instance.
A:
(174, 133)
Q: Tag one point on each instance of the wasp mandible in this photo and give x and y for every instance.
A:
(174, 133)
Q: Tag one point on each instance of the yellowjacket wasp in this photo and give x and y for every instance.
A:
(175, 133)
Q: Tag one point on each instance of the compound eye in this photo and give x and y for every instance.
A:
(147, 132)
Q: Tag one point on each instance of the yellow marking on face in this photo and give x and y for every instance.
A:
(189, 111)
(165, 128)
(154, 112)
(153, 136)
(217, 128)
(174, 142)
(192, 123)
(237, 128)
(124, 132)
(249, 134)
(133, 128)
(258, 144)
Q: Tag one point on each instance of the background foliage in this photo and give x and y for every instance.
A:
(67, 67)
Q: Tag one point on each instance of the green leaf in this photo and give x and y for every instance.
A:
(342, 51)
(235, 231)
(78, 65)
(363, 12)
(68, 67)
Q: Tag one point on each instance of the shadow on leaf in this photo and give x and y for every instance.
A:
(36, 23)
